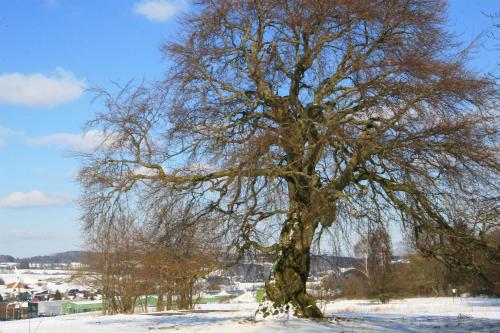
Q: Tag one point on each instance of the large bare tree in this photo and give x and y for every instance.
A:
(281, 118)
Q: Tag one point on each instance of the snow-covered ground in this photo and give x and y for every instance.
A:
(41, 280)
(409, 315)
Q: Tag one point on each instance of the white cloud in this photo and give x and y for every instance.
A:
(34, 199)
(7, 134)
(159, 10)
(82, 142)
(79, 142)
(40, 90)
(202, 167)
(145, 171)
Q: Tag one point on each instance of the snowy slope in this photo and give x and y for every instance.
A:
(411, 315)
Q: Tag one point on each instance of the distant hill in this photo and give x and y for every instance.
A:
(5, 258)
(260, 268)
(56, 258)
(327, 262)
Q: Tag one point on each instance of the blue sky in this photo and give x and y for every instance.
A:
(49, 51)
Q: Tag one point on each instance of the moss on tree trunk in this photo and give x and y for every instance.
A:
(287, 289)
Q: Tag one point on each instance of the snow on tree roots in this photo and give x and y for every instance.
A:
(268, 310)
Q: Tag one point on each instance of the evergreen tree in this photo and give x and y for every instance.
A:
(57, 295)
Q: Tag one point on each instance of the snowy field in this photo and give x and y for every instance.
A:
(42, 279)
(33, 276)
(409, 315)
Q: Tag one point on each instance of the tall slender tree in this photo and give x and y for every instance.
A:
(281, 118)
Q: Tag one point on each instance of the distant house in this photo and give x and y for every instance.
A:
(7, 265)
(13, 311)
(57, 308)
(3, 310)
(81, 306)
(17, 285)
(50, 308)
(41, 296)
(15, 288)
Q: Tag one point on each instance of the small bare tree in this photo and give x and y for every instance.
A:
(380, 281)
(180, 253)
(280, 118)
(362, 251)
(164, 257)
(113, 265)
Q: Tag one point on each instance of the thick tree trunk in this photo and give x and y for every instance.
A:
(286, 291)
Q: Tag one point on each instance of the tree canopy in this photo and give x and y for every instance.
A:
(279, 119)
